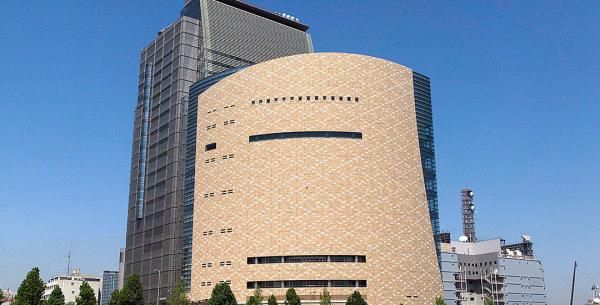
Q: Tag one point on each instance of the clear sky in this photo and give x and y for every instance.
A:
(516, 92)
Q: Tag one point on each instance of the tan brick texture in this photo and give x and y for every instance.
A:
(314, 196)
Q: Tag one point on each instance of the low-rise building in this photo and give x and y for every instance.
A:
(507, 274)
(69, 284)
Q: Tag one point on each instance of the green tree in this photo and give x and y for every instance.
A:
(114, 298)
(324, 297)
(252, 301)
(56, 297)
(273, 300)
(1, 296)
(132, 292)
(291, 298)
(86, 295)
(31, 290)
(222, 295)
(178, 295)
(356, 299)
(440, 301)
(488, 302)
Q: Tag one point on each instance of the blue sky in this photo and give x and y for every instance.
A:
(516, 92)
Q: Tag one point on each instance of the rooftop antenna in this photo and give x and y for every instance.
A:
(468, 213)
(573, 282)
(69, 263)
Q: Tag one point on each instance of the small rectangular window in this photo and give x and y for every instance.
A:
(283, 98)
(291, 98)
(299, 98)
(348, 99)
(316, 98)
(253, 102)
(275, 99)
(308, 98)
(210, 146)
(356, 99)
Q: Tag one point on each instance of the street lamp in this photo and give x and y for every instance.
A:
(158, 290)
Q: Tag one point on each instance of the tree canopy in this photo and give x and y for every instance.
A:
(56, 297)
(114, 298)
(273, 300)
(291, 298)
(132, 292)
(324, 297)
(222, 295)
(440, 301)
(356, 299)
(86, 295)
(31, 290)
(178, 295)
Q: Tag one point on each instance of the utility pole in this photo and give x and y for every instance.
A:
(573, 283)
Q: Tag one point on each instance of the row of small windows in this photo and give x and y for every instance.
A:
(225, 107)
(224, 157)
(307, 259)
(306, 284)
(213, 126)
(306, 98)
(489, 263)
(209, 283)
(221, 264)
(222, 231)
(223, 192)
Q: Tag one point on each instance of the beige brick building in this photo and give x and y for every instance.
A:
(308, 175)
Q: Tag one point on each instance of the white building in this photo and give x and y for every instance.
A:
(69, 284)
(491, 269)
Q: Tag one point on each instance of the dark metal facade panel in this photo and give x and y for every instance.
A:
(422, 92)
(179, 57)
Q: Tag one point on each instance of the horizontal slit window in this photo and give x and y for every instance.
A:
(305, 134)
(307, 259)
(306, 284)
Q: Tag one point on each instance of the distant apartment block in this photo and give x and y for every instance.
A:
(69, 284)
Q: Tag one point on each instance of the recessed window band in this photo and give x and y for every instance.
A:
(305, 134)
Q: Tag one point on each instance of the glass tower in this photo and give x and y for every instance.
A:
(422, 91)
(210, 36)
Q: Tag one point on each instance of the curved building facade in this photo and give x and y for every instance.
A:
(309, 175)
